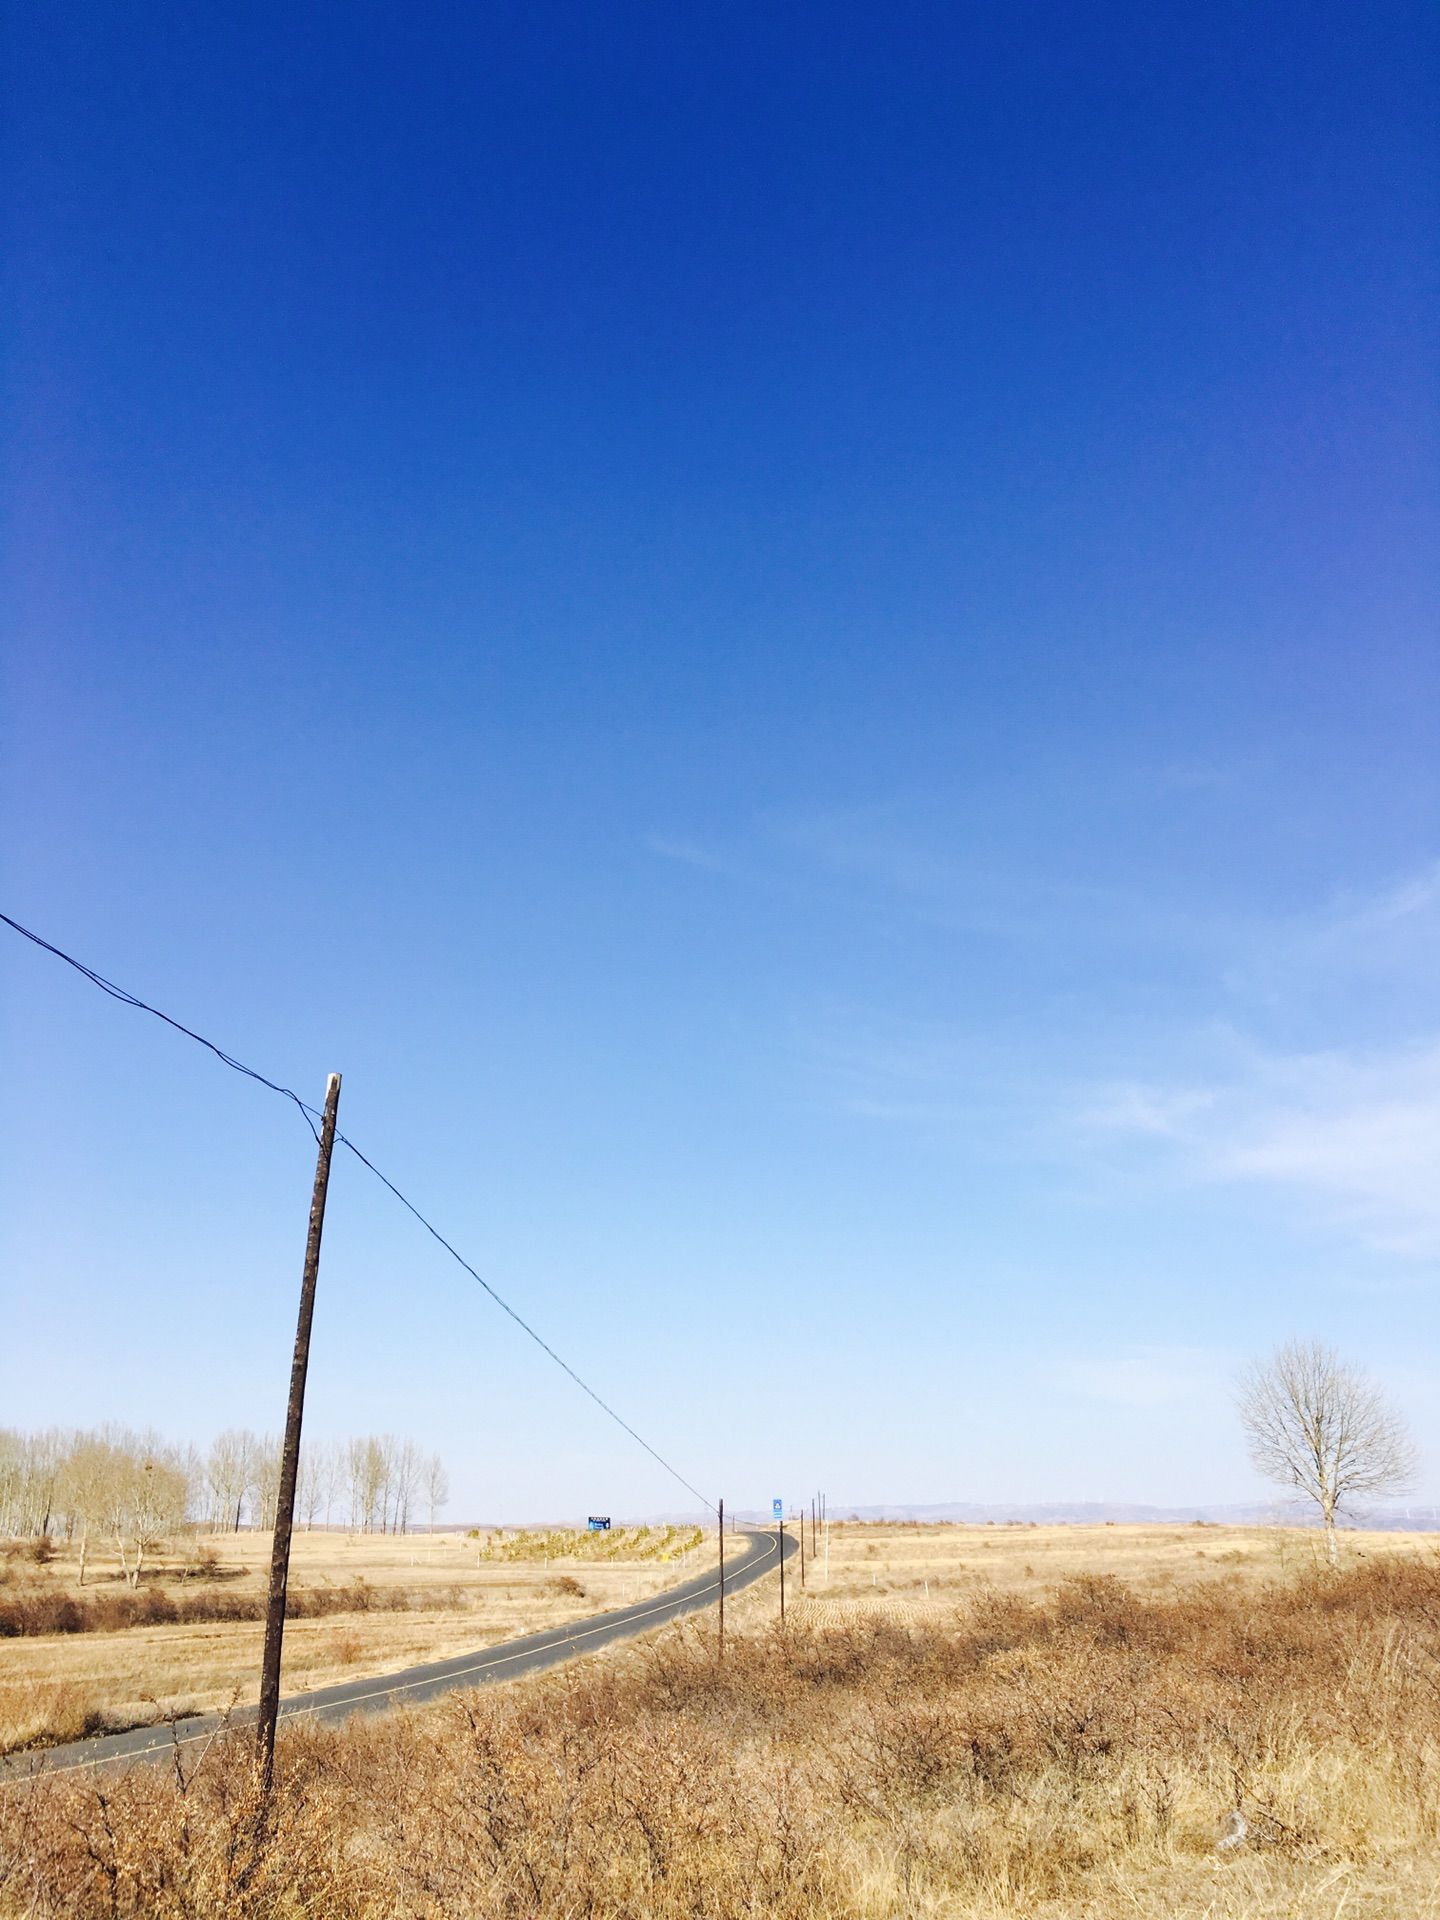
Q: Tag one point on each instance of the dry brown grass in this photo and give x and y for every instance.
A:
(379, 1604)
(1063, 1755)
(912, 1568)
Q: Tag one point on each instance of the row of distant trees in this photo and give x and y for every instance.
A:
(374, 1483)
(138, 1489)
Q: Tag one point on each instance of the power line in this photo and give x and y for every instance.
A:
(540, 1342)
(311, 1114)
(129, 999)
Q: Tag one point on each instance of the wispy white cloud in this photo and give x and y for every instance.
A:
(1410, 904)
(1353, 1136)
(1347, 1131)
(959, 880)
(688, 853)
(868, 843)
(1145, 1376)
(1159, 1113)
(939, 1080)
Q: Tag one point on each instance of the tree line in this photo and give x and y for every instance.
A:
(137, 1488)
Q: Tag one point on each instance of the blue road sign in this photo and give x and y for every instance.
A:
(598, 1523)
(777, 1507)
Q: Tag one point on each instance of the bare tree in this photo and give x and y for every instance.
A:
(408, 1468)
(362, 1471)
(334, 1479)
(85, 1484)
(30, 1466)
(309, 1482)
(264, 1488)
(140, 1490)
(437, 1486)
(1317, 1425)
(228, 1473)
(12, 1478)
(322, 1472)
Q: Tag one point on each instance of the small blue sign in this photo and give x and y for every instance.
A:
(777, 1507)
(598, 1523)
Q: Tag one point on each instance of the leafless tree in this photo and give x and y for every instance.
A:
(408, 1471)
(1315, 1424)
(330, 1476)
(228, 1473)
(30, 1465)
(90, 1466)
(322, 1470)
(367, 1472)
(437, 1486)
(264, 1489)
(138, 1488)
(309, 1482)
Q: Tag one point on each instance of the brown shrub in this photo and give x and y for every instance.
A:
(29, 1610)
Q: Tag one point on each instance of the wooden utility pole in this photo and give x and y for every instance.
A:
(722, 1578)
(802, 1548)
(780, 1537)
(290, 1455)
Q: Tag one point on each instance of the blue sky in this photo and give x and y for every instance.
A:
(803, 641)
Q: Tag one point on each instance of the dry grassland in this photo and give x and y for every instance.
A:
(398, 1602)
(909, 1571)
(1079, 1725)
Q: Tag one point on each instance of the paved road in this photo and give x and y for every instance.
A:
(504, 1662)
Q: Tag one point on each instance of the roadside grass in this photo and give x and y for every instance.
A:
(1256, 1749)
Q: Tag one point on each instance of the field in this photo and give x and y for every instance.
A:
(970, 1723)
(388, 1602)
(912, 1570)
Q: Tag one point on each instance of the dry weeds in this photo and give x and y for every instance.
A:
(1082, 1754)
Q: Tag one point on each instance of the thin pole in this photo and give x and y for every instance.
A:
(802, 1551)
(290, 1455)
(722, 1579)
(780, 1536)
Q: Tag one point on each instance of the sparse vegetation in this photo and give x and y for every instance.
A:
(1240, 1748)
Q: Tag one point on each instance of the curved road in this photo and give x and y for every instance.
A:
(415, 1684)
